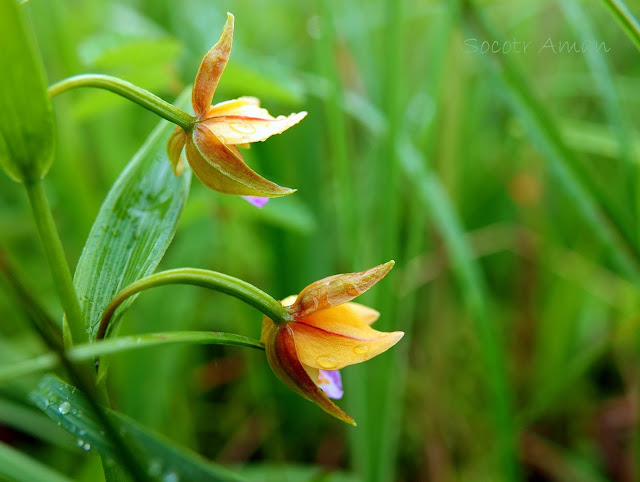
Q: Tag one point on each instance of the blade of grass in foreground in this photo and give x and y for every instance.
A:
(65, 405)
(19, 467)
(597, 209)
(626, 19)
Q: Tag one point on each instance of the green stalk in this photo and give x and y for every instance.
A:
(337, 134)
(199, 277)
(626, 19)
(129, 91)
(56, 259)
(382, 460)
(90, 351)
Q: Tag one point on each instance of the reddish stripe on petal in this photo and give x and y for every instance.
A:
(227, 160)
(298, 379)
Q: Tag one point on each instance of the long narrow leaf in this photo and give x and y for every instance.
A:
(121, 344)
(626, 19)
(66, 406)
(15, 465)
(133, 229)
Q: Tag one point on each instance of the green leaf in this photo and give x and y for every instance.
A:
(28, 420)
(133, 229)
(27, 132)
(48, 361)
(70, 409)
(19, 467)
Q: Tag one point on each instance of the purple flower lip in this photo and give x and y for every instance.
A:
(331, 383)
(257, 201)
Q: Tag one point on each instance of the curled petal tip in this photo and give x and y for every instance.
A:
(336, 290)
(211, 69)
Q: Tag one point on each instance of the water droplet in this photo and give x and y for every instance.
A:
(86, 447)
(170, 477)
(80, 442)
(155, 468)
(64, 408)
(242, 127)
(360, 349)
(327, 362)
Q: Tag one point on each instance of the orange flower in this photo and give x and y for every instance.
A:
(211, 144)
(326, 333)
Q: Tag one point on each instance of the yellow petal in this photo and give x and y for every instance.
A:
(325, 350)
(240, 106)
(349, 319)
(211, 70)
(222, 168)
(176, 142)
(243, 129)
(267, 328)
(280, 346)
(337, 289)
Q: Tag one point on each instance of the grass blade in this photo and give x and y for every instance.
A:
(626, 19)
(19, 467)
(433, 197)
(121, 344)
(65, 405)
(605, 219)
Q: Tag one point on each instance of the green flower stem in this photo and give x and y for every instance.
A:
(199, 277)
(89, 351)
(56, 259)
(130, 91)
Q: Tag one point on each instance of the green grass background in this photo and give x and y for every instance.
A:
(505, 186)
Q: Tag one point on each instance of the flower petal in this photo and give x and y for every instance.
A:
(282, 356)
(332, 351)
(211, 70)
(243, 129)
(335, 290)
(330, 382)
(349, 319)
(257, 201)
(247, 106)
(175, 144)
(223, 169)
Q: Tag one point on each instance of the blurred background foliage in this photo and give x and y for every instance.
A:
(506, 187)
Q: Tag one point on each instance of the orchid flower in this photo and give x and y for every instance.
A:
(212, 143)
(326, 332)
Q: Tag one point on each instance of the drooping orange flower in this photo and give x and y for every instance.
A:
(327, 332)
(212, 143)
